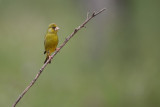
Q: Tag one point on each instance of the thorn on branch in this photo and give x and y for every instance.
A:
(76, 30)
(93, 14)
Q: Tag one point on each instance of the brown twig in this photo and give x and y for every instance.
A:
(52, 56)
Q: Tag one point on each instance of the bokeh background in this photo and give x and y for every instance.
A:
(113, 62)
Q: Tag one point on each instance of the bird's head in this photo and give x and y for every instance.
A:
(53, 28)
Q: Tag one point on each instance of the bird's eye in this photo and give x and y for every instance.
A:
(53, 27)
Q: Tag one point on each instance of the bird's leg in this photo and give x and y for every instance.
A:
(49, 55)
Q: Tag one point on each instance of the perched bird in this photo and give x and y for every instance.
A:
(50, 40)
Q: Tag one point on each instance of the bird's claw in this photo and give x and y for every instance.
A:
(50, 57)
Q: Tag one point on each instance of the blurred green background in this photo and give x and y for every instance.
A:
(113, 62)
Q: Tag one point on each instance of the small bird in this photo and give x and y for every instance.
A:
(51, 40)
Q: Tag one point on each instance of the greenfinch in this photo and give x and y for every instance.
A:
(50, 41)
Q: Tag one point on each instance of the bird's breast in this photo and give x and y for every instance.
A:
(51, 41)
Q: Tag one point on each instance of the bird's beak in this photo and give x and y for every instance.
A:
(56, 28)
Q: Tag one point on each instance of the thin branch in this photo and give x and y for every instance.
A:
(52, 56)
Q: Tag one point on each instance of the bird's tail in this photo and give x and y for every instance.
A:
(47, 59)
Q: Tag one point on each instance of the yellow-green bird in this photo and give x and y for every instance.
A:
(51, 40)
